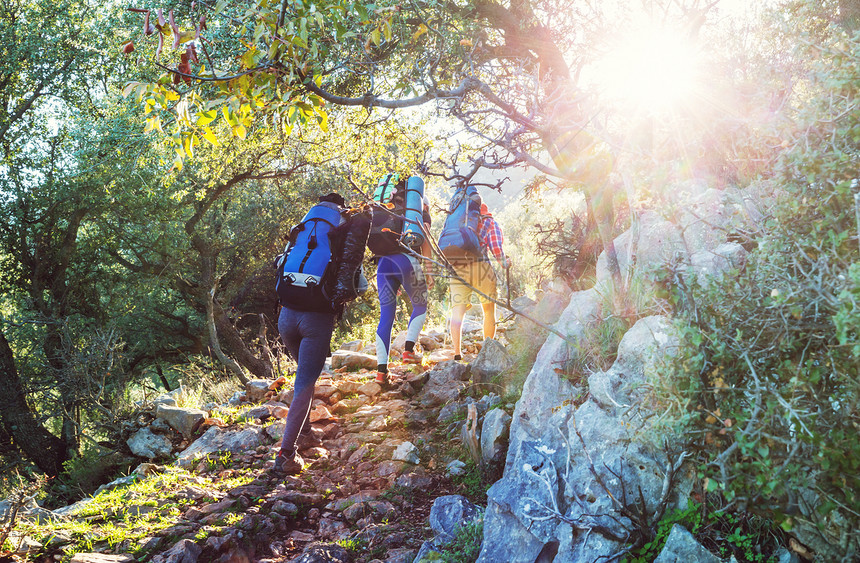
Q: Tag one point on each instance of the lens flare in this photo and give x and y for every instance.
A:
(654, 69)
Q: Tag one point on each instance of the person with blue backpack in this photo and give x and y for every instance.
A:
(469, 236)
(395, 238)
(317, 273)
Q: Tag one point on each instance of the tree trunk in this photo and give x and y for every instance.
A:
(40, 446)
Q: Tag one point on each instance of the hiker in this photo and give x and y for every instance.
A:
(393, 271)
(308, 313)
(477, 272)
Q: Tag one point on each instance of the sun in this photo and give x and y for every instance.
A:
(654, 68)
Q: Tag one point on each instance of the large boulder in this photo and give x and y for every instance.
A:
(184, 421)
(352, 360)
(491, 362)
(559, 444)
(148, 444)
(494, 435)
(703, 218)
(548, 310)
(220, 440)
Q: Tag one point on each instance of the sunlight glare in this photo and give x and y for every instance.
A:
(655, 69)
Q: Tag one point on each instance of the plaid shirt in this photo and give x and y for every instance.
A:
(491, 237)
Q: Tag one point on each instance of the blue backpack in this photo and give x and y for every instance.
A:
(459, 234)
(306, 269)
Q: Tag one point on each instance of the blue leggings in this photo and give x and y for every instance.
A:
(391, 273)
(307, 336)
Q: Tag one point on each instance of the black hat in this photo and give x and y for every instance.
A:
(334, 197)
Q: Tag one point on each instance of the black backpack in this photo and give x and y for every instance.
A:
(387, 225)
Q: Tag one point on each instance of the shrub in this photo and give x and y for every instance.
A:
(766, 382)
(466, 545)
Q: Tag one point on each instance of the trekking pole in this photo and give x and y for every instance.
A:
(508, 282)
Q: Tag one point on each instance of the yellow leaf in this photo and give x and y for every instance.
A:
(153, 124)
(240, 131)
(206, 118)
(386, 29)
(188, 145)
(376, 36)
(209, 135)
(422, 29)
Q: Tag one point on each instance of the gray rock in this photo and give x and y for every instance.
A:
(712, 264)
(451, 411)
(217, 439)
(682, 547)
(352, 360)
(428, 552)
(456, 467)
(492, 361)
(352, 346)
(547, 310)
(444, 383)
(414, 480)
(28, 509)
(428, 343)
(407, 452)
(101, 558)
(494, 435)
(701, 224)
(184, 551)
(164, 400)
(547, 465)
(448, 514)
(259, 412)
(116, 483)
(184, 421)
(324, 553)
(145, 443)
(256, 389)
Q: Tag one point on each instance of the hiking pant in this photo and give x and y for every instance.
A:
(307, 336)
(392, 272)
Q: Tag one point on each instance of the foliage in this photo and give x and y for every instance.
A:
(746, 537)
(770, 354)
(466, 545)
(474, 482)
(131, 512)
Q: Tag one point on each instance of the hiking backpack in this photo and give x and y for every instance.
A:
(321, 268)
(387, 225)
(460, 234)
(305, 272)
(350, 281)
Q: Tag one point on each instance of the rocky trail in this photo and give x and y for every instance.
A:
(386, 476)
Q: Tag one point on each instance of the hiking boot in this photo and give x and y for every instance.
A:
(382, 378)
(411, 357)
(308, 440)
(287, 465)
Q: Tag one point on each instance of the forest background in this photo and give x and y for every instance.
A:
(147, 185)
